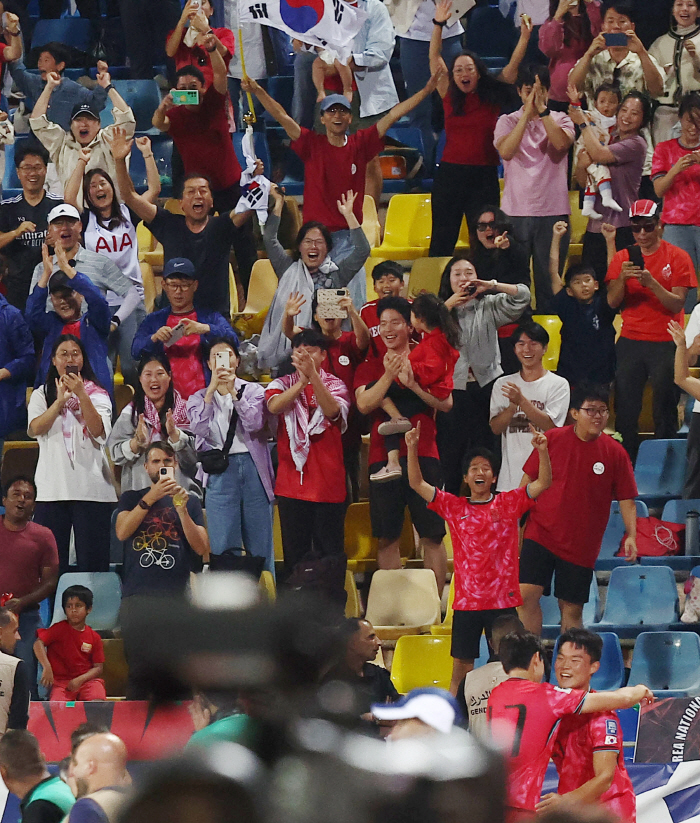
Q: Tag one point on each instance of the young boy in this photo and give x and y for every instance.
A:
(388, 282)
(484, 529)
(602, 120)
(71, 652)
(587, 333)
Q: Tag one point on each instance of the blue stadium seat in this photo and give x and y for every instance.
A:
(551, 616)
(115, 72)
(614, 532)
(71, 31)
(162, 146)
(489, 33)
(675, 511)
(293, 181)
(262, 150)
(484, 653)
(280, 89)
(660, 470)
(640, 598)
(668, 663)
(611, 674)
(10, 182)
(107, 590)
(143, 96)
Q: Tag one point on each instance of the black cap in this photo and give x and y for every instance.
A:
(59, 280)
(84, 108)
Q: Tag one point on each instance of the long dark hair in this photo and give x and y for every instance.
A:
(305, 229)
(575, 27)
(434, 313)
(139, 402)
(116, 217)
(488, 88)
(52, 375)
(445, 291)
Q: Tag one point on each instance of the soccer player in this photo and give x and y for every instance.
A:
(524, 714)
(588, 751)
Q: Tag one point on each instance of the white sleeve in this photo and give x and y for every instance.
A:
(37, 406)
(557, 402)
(499, 402)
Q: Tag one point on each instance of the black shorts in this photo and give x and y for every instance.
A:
(388, 501)
(467, 628)
(572, 583)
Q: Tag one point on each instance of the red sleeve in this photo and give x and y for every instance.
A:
(615, 266)
(564, 701)
(270, 393)
(49, 556)
(98, 652)
(368, 371)
(605, 732)
(3, 46)
(517, 501)
(212, 100)
(428, 367)
(625, 485)
(683, 269)
(302, 146)
(228, 39)
(660, 163)
(50, 635)
(371, 142)
(447, 505)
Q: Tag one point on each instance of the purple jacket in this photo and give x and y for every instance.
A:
(254, 420)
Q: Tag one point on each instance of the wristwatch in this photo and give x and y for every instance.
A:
(142, 503)
(583, 126)
(545, 113)
(441, 23)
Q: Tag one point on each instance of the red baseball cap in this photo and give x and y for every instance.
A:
(644, 208)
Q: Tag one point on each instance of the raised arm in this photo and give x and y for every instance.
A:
(577, 75)
(362, 338)
(415, 476)
(75, 181)
(400, 109)
(291, 127)
(13, 50)
(624, 698)
(558, 231)
(53, 79)
(437, 63)
(160, 119)
(105, 81)
(143, 144)
(544, 477)
(220, 81)
(681, 372)
(279, 258)
(172, 44)
(292, 308)
(508, 145)
(509, 73)
(652, 77)
(120, 146)
(597, 153)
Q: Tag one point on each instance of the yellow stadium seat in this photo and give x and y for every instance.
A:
(426, 273)
(261, 289)
(402, 601)
(19, 457)
(361, 547)
(578, 226)
(267, 587)
(232, 291)
(149, 285)
(446, 626)
(370, 264)
(553, 325)
(408, 228)
(290, 223)
(370, 221)
(421, 661)
(463, 239)
(116, 669)
(353, 605)
(145, 240)
(173, 206)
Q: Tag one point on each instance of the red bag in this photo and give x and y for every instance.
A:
(656, 538)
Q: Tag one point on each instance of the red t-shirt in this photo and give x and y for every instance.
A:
(682, 199)
(199, 57)
(343, 359)
(485, 543)
(469, 136)
(70, 652)
(186, 358)
(377, 347)
(323, 478)
(23, 556)
(72, 328)
(570, 517)
(433, 363)
(643, 315)
(330, 171)
(203, 139)
(580, 736)
(527, 716)
(369, 372)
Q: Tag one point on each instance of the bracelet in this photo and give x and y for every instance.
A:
(207, 33)
(583, 126)
(144, 505)
(545, 113)
(441, 23)
(494, 283)
(109, 88)
(211, 51)
(146, 156)
(14, 33)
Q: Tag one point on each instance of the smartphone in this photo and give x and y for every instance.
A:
(636, 256)
(167, 471)
(185, 97)
(222, 359)
(196, 4)
(328, 306)
(470, 289)
(71, 369)
(178, 334)
(615, 38)
(459, 9)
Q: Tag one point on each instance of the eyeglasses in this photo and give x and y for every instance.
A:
(594, 411)
(37, 168)
(484, 226)
(648, 226)
(180, 286)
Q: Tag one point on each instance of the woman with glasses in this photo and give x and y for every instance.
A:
(625, 157)
(467, 176)
(310, 269)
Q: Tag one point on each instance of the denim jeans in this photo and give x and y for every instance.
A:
(120, 341)
(29, 622)
(304, 98)
(342, 247)
(688, 239)
(238, 510)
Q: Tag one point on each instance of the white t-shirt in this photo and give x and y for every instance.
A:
(88, 476)
(549, 394)
(120, 246)
(478, 685)
(422, 26)
(692, 330)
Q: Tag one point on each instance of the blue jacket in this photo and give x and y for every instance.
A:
(94, 329)
(17, 356)
(143, 344)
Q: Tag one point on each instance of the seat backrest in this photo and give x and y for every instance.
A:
(71, 31)
(421, 228)
(107, 592)
(353, 605)
(19, 459)
(675, 511)
(660, 467)
(370, 263)
(641, 595)
(551, 616)
(403, 597)
(666, 660)
(615, 529)
(280, 89)
(611, 673)
(262, 286)
(552, 324)
(400, 214)
(143, 97)
(359, 542)
(370, 221)
(408, 136)
(426, 273)
(578, 221)
(420, 661)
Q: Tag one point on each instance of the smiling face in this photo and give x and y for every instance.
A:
(465, 74)
(388, 285)
(67, 353)
(574, 667)
(32, 173)
(155, 382)
(685, 12)
(487, 230)
(180, 292)
(630, 117)
(46, 64)
(196, 202)
(528, 351)
(462, 274)
(591, 419)
(66, 303)
(19, 502)
(66, 231)
(336, 120)
(393, 330)
(313, 249)
(480, 477)
(100, 192)
(84, 128)
(690, 128)
(582, 287)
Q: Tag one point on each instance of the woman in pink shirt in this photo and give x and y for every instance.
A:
(564, 39)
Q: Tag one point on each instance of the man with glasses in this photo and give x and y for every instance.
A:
(24, 221)
(181, 330)
(564, 531)
(650, 280)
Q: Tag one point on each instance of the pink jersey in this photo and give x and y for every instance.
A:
(578, 739)
(528, 714)
(485, 544)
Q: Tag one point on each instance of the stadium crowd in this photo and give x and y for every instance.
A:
(152, 427)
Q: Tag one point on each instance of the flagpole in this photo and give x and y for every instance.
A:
(249, 118)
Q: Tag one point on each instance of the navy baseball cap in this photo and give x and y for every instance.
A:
(334, 100)
(84, 109)
(58, 281)
(179, 267)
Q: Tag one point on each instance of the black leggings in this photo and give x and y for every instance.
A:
(307, 526)
(91, 523)
(459, 191)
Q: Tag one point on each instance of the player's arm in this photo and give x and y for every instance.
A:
(415, 476)
(544, 477)
(623, 698)
(604, 765)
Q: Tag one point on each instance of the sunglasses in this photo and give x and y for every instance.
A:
(644, 225)
(488, 225)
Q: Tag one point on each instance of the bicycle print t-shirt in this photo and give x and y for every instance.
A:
(158, 557)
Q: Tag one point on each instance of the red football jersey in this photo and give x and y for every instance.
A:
(579, 737)
(530, 714)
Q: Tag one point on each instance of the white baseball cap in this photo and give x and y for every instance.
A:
(435, 707)
(64, 210)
